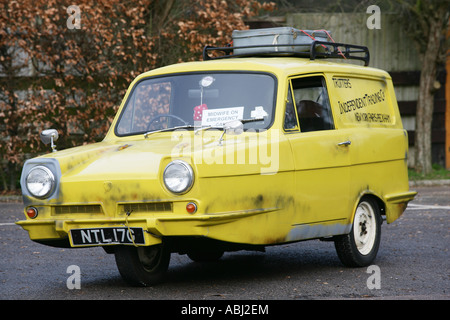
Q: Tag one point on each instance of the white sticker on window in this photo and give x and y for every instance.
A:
(258, 113)
(218, 117)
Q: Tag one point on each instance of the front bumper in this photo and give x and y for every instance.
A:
(220, 226)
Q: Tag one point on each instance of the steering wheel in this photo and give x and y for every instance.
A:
(166, 116)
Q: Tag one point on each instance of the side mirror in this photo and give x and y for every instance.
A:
(234, 127)
(50, 136)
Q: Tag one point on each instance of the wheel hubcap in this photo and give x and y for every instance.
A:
(364, 228)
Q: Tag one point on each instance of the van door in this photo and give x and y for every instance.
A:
(321, 156)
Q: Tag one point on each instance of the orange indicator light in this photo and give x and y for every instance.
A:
(191, 207)
(32, 212)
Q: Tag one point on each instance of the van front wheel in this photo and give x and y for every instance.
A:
(360, 247)
(142, 266)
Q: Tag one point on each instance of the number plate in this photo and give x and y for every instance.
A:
(105, 236)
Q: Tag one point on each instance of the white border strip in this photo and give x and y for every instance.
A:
(426, 207)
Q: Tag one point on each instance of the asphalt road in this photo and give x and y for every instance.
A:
(413, 263)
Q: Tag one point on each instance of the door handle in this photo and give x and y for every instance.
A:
(345, 143)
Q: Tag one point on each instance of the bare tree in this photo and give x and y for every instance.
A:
(426, 21)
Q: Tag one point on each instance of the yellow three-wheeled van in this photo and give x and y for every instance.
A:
(257, 145)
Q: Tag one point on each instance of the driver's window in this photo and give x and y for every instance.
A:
(311, 104)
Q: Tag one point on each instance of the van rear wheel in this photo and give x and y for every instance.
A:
(360, 247)
(142, 266)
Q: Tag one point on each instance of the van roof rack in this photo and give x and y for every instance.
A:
(317, 49)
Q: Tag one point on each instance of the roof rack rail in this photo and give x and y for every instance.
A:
(317, 49)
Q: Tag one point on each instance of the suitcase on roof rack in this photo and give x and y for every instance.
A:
(284, 37)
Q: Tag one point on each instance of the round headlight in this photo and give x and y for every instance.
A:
(178, 176)
(40, 182)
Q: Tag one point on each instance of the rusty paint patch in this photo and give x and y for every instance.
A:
(125, 146)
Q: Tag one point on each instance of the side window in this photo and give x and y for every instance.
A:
(312, 104)
(290, 116)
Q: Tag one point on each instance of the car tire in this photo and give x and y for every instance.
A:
(360, 247)
(142, 266)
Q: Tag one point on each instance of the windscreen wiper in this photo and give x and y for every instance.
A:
(168, 129)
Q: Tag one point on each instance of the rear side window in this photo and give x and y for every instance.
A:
(308, 102)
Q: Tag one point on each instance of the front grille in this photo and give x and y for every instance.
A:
(90, 209)
(146, 207)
